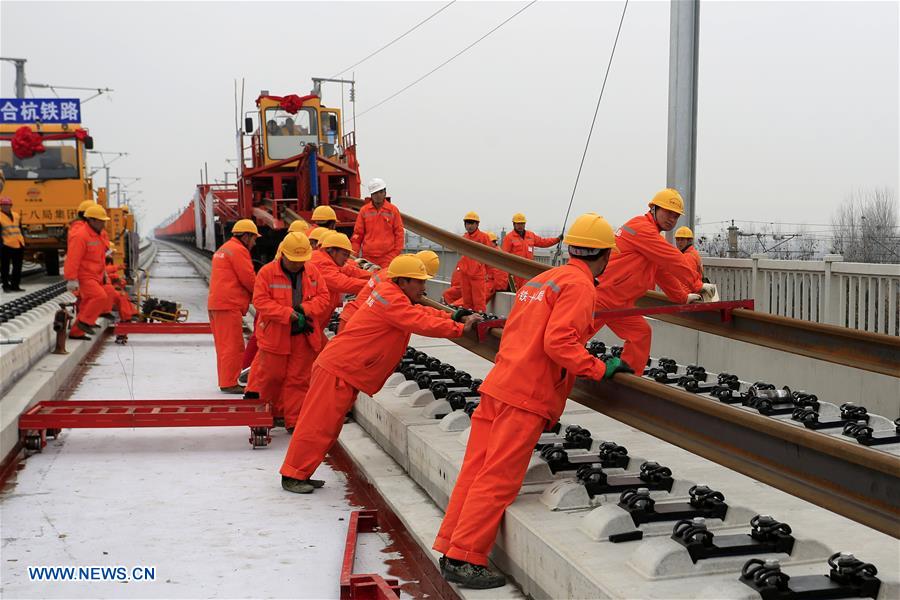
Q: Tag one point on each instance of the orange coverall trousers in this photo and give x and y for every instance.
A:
(92, 302)
(283, 379)
(120, 302)
(474, 292)
(322, 419)
(637, 335)
(500, 446)
(228, 336)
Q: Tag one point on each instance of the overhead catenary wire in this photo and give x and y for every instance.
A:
(449, 60)
(396, 39)
(587, 142)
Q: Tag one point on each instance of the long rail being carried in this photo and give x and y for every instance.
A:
(873, 352)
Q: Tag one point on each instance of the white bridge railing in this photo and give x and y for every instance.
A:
(857, 295)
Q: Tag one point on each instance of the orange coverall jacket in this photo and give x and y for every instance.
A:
(524, 245)
(86, 255)
(542, 350)
(695, 258)
(273, 299)
(363, 295)
(378, 232)
(469, 267)
(645, 260)
(337, 281)
(232, 279)
(367, 351)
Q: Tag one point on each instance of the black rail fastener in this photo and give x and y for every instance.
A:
(848, 577)
(576, 437)
(652, 476)
(865, 435)
(766, 536)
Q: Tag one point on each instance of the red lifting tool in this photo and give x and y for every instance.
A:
(369, 586)
(48, 417)
(163, 327)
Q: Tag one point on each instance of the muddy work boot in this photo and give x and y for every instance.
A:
(471, 576)
(297, 486)
(277, 421)
(234, 389)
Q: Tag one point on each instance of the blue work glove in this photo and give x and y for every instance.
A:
(615, 365)
(461, 313)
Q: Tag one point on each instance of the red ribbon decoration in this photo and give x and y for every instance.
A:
(26, 143)
(290, 103)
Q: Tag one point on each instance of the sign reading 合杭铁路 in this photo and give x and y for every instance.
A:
(44, 110)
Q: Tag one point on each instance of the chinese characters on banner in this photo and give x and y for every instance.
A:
(45, 110)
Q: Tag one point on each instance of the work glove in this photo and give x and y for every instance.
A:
(460, 314)
(298, 322)
(693, 298)
(708, 288)
(614, 365)
(72, 285)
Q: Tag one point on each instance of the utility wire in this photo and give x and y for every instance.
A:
(396, 39)
(587, 143)
(446, 62)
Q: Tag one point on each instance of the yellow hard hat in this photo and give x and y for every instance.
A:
(518, 218)
(295, 247)
(336, 239)
(85, 205)
(668, 199)
(684, 232)
(244, 226)
(299, 226)
(431, 261)
(318, 233)
(324, 213)
(407, 265)
(472, 216)
(112, 246)
(491, 235)
(590, 230)
(96, 212)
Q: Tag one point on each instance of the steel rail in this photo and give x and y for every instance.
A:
(858, 482)
(874, 352)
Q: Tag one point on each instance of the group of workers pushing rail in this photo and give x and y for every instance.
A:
(311, 382)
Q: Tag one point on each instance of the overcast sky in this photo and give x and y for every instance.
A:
(798, 101)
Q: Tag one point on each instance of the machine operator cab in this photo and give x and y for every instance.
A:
(285, 134)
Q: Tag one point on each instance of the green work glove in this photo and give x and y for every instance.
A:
(616, 365)
(298, 325)
(461, 313)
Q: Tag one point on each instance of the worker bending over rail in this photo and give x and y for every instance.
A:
(428, 257)
(230, 291)
(293, 306)
(646, 260)
(362, 357)
(472, 273)
(84, 270)
(522, 242)
(684, 241)
(114, 286)
(378, 234)
(331, 257)
(541, 353)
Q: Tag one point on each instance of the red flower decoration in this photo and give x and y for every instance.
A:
(81, 134)
(291, 103)
(26, 143)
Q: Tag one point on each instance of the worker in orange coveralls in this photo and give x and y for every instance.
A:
(522, 242)
(646, 260)
(378, 234)
(230, 290)
(115, 288)
(684, 241)
(472, 273)
(322, 216)
(84, 270)
(332, 255)
(80, 220)
(360, 358)
(453, 294)
(496, 280)
(428, 257)
(292, 301)
(541, 353)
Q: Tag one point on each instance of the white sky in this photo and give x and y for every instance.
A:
(798, 100)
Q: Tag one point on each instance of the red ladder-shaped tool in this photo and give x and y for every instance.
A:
(368, 586)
